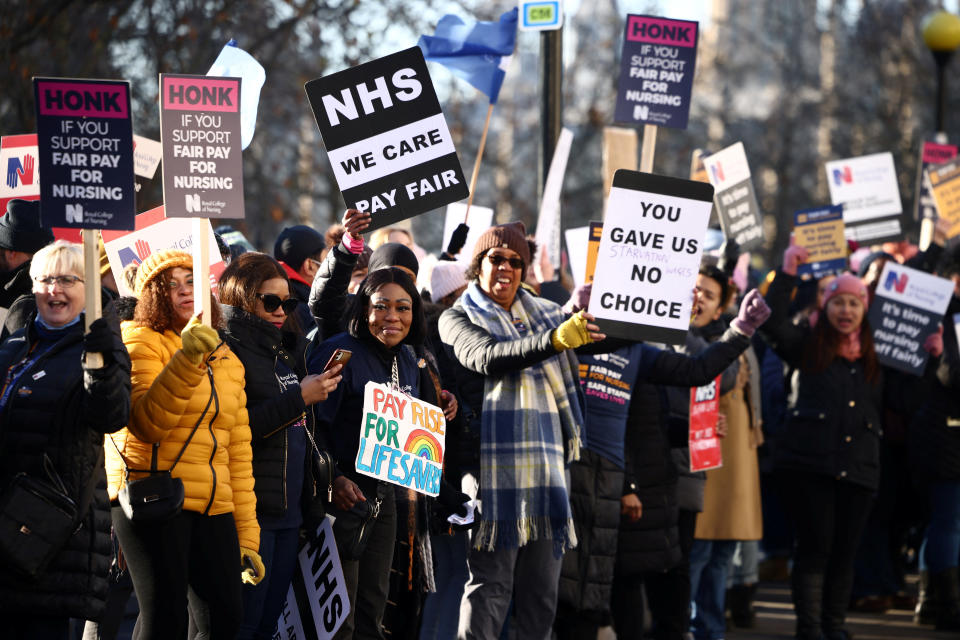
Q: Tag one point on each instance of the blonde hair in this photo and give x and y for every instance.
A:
(59, 259)
(382, 236)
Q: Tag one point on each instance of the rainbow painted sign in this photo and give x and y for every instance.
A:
(401, 439)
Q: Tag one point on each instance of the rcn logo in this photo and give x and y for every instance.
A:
(17, 172)
(842, 176)
(717, 170)
(75, 213)
(894, 282)
(135, 254)
(193, 203)
(641, 112)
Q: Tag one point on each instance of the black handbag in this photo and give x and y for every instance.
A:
(352, 529)
(37, 517)
(157, 497)
(323, 479)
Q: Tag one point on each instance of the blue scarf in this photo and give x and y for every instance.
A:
(529, 419)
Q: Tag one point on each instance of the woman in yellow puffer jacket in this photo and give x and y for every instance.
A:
(175, 359)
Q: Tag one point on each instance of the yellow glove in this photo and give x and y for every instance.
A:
(572, 333)
(198, 340)
(253, 569)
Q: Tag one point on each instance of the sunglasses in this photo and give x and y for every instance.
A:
(497, 260)
(271, 302)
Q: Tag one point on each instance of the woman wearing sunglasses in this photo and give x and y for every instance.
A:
(258, 310)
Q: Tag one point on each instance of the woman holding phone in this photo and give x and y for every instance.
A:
(257, 309)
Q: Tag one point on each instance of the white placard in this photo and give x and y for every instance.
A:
(649, 256)
(727, 167)
(481, 218)
(548, 222)
(866, 186)
(146, 156)
(577, 239)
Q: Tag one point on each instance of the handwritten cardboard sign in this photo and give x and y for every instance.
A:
(401, 439)
(907, 307)
(387, 139)
(656, 71)
(649, 256)
(85, 143)
(704, 444)
(820, 232)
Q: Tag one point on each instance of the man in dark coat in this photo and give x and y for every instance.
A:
(20, 237)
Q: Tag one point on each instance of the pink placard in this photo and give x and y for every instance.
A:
(201, 94)
(82, 99)
(675, 33)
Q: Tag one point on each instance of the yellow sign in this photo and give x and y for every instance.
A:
(945, 186)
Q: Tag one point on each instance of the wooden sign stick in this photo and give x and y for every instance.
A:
(648, 148)
(201, 270)
(91, 289)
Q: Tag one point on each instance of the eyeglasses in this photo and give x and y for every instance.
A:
(271, 302)
(497, 260)
(65, 282)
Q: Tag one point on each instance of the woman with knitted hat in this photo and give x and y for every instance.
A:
(518, 384)
(829, 454)
(188, 413)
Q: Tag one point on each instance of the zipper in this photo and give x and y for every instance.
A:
(284, 474)
(213, 453)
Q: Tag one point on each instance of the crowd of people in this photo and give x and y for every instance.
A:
(199, 454)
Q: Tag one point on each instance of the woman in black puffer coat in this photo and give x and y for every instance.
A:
(258, 306)
(53, 407)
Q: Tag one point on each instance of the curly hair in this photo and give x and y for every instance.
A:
(154, 309)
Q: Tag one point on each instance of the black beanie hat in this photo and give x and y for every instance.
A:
(296, 244)
(20, 228)
(870, 259)
(394, 254)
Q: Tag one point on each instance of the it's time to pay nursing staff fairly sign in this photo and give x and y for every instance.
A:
(386, 137)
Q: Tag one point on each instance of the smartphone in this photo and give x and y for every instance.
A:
(340, 356)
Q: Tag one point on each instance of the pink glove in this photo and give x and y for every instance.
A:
(934, 342)
(792, 257)
(351, 244)
(753, 313)
(579, 299)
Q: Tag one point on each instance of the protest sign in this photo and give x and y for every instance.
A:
(317, 599)
(548, 221)
(656, 71)
(649, 256)
(703, 441)
(387, 139)
(729, 173)
(867, 188)
(540, 15)
(18, 160)
(593, 249)
(154, 232)
(620, 147)
(907, 307)
(401, 439)
(200, 132)
(146, 158)
(85, 145)
(820, 232)
(577, 239)
(944, 182)
(931, 153)
(481, 218)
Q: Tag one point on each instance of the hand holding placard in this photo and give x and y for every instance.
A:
(793, 257)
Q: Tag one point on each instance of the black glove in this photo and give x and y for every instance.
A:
(458, 239)
(451, 501)
(102, 338)
(729, 254)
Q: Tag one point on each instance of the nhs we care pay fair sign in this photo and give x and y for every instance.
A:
(649, 256)
(200, 132)
(386, 137)
(401, 439)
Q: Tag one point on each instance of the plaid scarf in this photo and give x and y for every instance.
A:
(529, 418)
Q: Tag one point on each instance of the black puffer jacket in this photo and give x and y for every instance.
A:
(833, 416)
(58, 409)
(934, 435)
(328, 294)
(260, 345)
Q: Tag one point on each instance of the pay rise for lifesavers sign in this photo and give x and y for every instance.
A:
(906, 309)
(386, 138)
(85, 146)
(200, 131)
(401, 439)
(656, 71)
(649, 256)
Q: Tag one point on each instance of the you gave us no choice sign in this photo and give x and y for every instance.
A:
(386, 137)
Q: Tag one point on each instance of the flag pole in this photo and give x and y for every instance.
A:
(476, 165)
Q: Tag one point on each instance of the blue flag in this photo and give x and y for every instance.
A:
(473, 50)
(234, 62)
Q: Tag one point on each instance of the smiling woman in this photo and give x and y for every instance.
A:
(58, 284)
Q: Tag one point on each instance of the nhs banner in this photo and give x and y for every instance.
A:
(200, 133)
(907, 307)
(85, 149)
(387, 139)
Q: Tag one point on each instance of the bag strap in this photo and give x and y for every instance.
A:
(86, 496)
(156, 445)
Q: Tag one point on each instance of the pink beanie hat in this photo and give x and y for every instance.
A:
(846, 283)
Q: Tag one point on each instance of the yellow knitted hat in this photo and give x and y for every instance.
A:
(158, 262)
